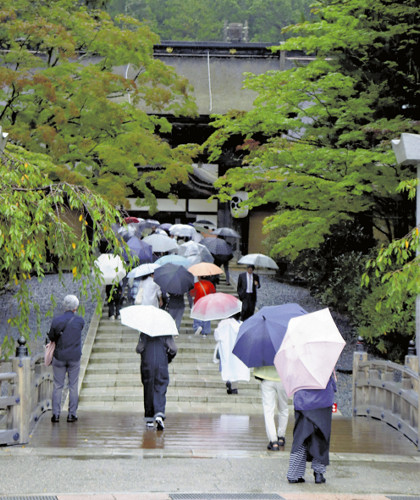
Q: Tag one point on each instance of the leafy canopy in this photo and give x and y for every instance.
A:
(317, 142)
(86, 90)
(204, 21)
(42, 222)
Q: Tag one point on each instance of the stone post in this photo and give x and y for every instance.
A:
(21, 413)
(412, 361)
(358, 356)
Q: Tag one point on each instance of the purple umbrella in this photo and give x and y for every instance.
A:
(260, 336)
(139, 250)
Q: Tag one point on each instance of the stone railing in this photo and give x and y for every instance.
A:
(25, 393)
(388, 391)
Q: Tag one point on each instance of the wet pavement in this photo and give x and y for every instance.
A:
(189, 434)
(201, 457)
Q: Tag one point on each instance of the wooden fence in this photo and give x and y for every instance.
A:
(25, 393)
(388, 391)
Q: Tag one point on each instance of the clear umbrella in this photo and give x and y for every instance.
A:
(143, 270)
(161, 242)
(258, 260)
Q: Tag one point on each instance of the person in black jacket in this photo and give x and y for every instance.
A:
(66, 332)
(248, 283)
(156, 353)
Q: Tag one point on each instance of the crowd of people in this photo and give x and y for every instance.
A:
(313, 407)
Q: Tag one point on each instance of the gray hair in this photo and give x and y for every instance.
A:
(70, 303)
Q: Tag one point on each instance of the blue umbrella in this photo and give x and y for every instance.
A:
(260, 336)
(174, 279)
(176, 259)
(139, 250)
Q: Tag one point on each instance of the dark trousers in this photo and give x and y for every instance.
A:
(248, 306)
(155, 384)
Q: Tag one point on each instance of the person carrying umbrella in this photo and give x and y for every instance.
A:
(274, 398)
(311, 433)
(202, 288)
(175, 281)
(156, 353)
(149, 292)
(157, 348)
(231, 367)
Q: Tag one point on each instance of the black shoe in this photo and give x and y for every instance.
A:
(299, 480)
(72, 418)
(55, 419)
(319, 478)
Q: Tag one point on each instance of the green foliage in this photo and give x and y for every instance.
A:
(317, 144)
(42, 223)
(83, 88)
(203, 21)
(393, 280)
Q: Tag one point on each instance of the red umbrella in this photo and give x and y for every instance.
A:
(201, 289)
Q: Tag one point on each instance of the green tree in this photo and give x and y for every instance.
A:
(41, 219)
(317, 142)
(203, 21)
(86, 90)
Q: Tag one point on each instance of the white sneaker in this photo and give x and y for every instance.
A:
(112, 318)
(198, 331)
(150, 425)
(159, 423)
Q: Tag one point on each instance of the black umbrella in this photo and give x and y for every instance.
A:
(220, 249)
(174, 279)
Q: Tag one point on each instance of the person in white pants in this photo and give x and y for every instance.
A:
(274, 398)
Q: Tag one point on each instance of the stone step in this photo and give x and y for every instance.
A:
(112, 378)
(224, 408)
(135, 394)
(128, 347)
(134, 367)
(180, 380)
(121, 357)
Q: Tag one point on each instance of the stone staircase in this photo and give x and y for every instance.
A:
(112, 377)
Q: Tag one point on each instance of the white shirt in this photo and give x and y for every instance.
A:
(249, 281)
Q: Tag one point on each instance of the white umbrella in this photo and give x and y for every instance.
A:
(142, 270)
(112, 268)
(161, 242)
(150, 320)
(258, 260)
(182, 230)
(195, 252)
(226, 231)
(309, 351)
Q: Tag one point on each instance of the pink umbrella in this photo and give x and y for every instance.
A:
(216, 306)
(309, 351)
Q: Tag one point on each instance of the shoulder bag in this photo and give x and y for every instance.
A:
(50, 347)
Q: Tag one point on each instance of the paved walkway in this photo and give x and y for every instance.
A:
(200, 456)
(109, 455)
